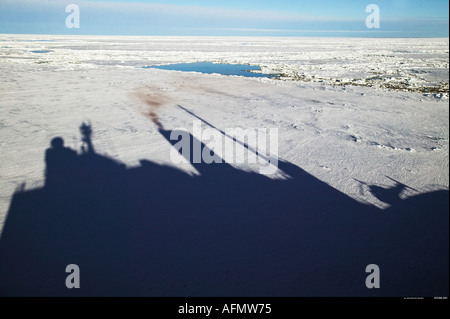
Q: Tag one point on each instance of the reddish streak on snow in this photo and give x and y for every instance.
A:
(154, 101)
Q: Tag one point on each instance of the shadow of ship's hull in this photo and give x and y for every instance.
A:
(131, 252)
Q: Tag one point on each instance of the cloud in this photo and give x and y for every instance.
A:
(187, 11)
(300, 30)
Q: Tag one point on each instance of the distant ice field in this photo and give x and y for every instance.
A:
(419, 65)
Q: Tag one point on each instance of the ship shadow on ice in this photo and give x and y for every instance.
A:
(153, 230)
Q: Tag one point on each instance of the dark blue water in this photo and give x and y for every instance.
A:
(211, 68)
(41, 51)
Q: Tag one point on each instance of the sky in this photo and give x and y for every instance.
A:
(317, 18)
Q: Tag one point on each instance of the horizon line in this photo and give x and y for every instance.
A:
(246, 36)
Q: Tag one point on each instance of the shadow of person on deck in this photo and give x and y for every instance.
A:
(60, 161)
(153, 230)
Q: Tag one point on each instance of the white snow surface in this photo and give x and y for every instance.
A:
(346, 109)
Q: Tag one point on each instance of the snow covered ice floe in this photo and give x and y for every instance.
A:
(359, 115)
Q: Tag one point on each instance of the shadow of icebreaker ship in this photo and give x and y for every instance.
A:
(153, 230)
